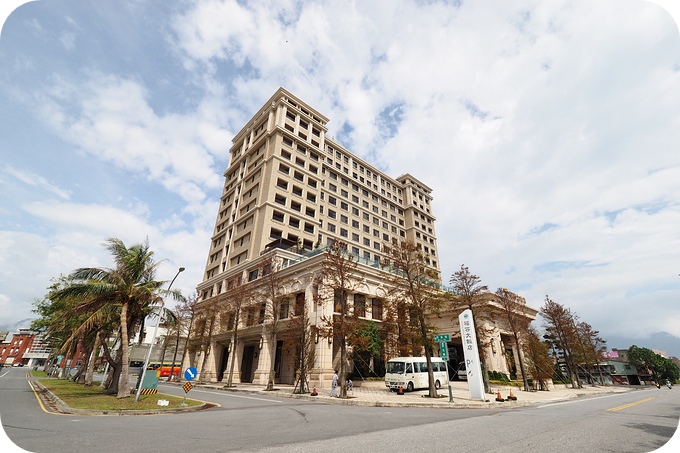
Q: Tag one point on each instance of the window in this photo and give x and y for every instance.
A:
(311, 183)
(344, 219)
(285, 154)
(299, 304)
(297, 191)
(283, 310)
(296, 206)
(284, 168)
(344, 206)
(355, 237)
(355, 224)
(309, 228)
(331, 214)
(278, 216)
(280, 199)
(343, 232)
(310, 212)
(360, 305)
(331, 228)
(299, 176)
(295, 223)
(280, 183)
(252, 275)
(311, 197)
(332, 200)
(376, 308)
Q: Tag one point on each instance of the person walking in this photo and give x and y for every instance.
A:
(334, 384)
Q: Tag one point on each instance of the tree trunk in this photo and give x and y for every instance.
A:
(428, 354)
(124, 385)
(90, 366)
(233, 353)
(521, 362)
(272, 362)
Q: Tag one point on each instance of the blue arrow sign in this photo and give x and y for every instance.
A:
(190, 374)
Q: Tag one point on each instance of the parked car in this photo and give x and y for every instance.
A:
(462, 372)
(18, 364)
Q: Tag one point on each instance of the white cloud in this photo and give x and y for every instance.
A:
(33, 179)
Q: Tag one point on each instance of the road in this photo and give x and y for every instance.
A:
(639, 421)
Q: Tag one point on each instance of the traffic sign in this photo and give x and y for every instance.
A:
(188, 386)
(190, 374)
(442, 338)
(444, 351)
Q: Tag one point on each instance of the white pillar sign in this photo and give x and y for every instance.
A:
(471, 354)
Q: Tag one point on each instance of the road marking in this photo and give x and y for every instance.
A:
(5, 373)
(625, 406)
(235, 396)
(42, 406)
(574, 401)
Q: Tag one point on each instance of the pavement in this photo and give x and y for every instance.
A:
(374, 393)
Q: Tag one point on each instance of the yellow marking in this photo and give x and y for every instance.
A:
(625, 406)
(42, 406)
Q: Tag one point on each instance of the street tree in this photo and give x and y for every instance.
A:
(560, 327)
(470, 295)
(272, 293)
(413, 285)
(514, 310)
(537, 353)
(336, 281)
(238, 296)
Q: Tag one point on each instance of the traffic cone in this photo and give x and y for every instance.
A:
(314, 391)
(512, 397)
(499, 397)
(400, 391)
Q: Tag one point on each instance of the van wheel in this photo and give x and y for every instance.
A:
(409, 387)
(437, 384)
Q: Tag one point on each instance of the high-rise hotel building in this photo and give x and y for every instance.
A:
(290, 190)
(287, 180)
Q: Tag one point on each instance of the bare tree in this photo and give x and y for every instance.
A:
(237, 296)
(513, 308)
(209, 316)
(271, 292)
(469, 290)
(336, 281)
(414, 284)
(184, 314)
(299, 341)
(559, 325)
(590, 349)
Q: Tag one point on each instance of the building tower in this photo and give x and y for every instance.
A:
(289, 186)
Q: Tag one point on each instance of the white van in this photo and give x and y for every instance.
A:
(411, 373)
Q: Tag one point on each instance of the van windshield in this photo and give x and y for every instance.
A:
(395, 367)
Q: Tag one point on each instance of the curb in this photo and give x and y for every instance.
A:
(58, 405)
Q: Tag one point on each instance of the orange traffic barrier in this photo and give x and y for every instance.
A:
(400, 391)
(512, 397)
(499, 397)
(314, 391)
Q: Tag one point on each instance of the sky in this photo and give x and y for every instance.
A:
(548, 132)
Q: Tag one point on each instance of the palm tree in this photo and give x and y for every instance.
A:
(130, 288)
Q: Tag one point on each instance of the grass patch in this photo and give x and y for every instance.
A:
(94, 398)
(507, 383)
(38, 374)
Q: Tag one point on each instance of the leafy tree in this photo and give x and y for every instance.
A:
(412, 285)
(469, 295)
(130, 287)
(336, 281)
(660, 367)
(299, 341)
(537, 353)
(513, 308)
(590, 347)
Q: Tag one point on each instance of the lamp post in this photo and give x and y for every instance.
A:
(155, 332)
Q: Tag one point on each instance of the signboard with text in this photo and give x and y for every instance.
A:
(471, 354)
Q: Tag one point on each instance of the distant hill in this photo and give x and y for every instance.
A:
(663, 341)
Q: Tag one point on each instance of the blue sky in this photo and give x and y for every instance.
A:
(548, 131)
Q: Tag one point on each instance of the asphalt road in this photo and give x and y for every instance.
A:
(631, 422)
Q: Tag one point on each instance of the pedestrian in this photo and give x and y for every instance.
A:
(334, 384)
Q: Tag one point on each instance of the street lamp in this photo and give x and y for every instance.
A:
(155, 332)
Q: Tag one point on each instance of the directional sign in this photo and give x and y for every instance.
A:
(190, 374)
(188, 386)
(444, 351)
(442, 338)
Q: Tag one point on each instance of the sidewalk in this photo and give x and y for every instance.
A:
(376, 394)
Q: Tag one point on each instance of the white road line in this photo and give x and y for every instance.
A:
(576, 401)
(235, 396)
(5, 373)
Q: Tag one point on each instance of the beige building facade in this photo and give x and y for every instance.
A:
(290, 191)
